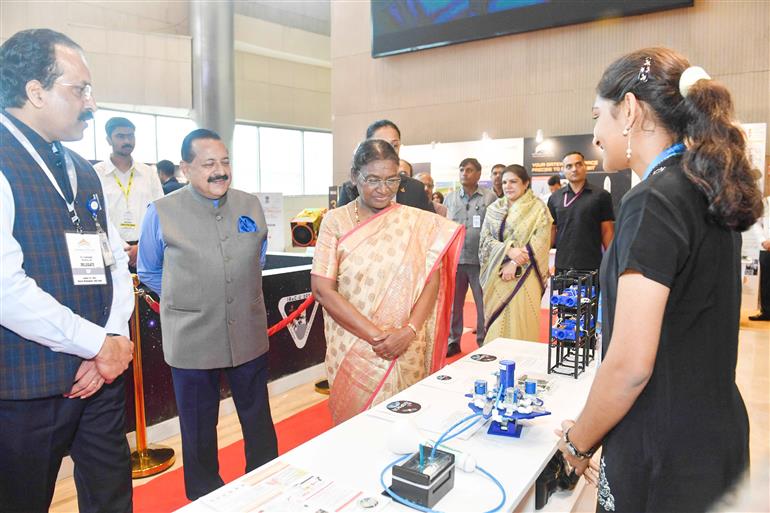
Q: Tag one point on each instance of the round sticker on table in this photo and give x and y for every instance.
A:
(443, 377)
(403, 407)
(368, 502)
(483, 357)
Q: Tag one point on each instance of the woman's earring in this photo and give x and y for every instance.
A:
(626, 133)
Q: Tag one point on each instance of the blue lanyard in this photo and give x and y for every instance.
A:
(674, 149)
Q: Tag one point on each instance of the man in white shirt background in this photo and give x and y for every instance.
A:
(762, 233)
(129, 186)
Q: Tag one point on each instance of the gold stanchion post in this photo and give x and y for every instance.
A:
(145, 460)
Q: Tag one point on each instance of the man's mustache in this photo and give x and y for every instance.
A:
(86, 115)
(216, 178)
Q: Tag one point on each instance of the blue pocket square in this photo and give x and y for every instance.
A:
(246, 225)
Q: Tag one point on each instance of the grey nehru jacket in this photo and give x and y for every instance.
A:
(461, 209)
(212, 310)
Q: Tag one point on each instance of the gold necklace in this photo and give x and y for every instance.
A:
(355, 210)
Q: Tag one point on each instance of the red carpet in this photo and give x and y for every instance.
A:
(166, 493)
(468, 340)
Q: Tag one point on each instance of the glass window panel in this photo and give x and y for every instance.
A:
(171, 133)
(84, 147)
(317, 162)
(144, 151)
(280, 160)
(245, 158)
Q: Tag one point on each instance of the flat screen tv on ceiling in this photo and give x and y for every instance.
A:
(400, 26)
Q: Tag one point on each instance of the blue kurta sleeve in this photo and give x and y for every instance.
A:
(149, 261)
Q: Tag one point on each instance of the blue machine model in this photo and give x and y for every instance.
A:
(505, 403)
(565, 329)
(569, 297)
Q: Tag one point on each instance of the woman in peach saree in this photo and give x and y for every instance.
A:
(384, 274)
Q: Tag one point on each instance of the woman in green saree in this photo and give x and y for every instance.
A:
(515, 240)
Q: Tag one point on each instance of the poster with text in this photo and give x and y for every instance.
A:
(272, 205)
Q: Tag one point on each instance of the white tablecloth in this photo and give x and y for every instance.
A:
(356, 452)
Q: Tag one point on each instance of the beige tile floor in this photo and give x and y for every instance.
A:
(752, 375)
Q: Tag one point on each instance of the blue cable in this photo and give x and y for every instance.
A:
(499, 485)
(443, 438)
(445, 433)
(448, 438)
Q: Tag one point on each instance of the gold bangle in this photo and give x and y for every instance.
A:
(411, 327)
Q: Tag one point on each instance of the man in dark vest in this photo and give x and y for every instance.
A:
(65, 291)
(201, 250)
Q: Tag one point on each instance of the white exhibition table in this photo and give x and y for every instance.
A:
(355, 452)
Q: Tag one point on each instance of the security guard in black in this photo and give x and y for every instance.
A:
(578, 219)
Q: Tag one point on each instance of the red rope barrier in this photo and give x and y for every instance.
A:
(292, 316)
(155, 307)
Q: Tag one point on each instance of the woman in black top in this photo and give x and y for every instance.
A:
(664, 404)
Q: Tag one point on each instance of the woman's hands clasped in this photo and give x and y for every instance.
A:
(519, 257)
(393, 342)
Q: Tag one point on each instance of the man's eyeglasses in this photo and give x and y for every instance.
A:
(390, 183)
(84, 92)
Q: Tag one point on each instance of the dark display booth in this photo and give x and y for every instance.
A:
(285, 284)
(545, 159)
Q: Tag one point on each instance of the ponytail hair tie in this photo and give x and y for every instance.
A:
(689, 77)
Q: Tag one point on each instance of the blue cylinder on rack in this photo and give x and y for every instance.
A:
(530, 387)
(507, 373)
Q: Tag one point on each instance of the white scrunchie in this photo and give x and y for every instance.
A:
(689, 77)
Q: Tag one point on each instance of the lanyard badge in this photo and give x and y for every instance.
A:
(94, 206)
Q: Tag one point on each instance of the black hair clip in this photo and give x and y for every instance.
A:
(644, 71)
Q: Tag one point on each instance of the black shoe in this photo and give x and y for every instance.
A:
(452, 349)
(760, 317)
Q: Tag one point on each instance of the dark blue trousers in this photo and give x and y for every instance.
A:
(197, 399)
(36, 434)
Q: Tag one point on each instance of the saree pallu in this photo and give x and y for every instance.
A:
(381, 267)
(512, 308)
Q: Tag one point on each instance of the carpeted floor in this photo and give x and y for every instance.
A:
(166, 493)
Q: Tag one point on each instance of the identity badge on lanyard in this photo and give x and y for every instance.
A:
(94, 206)
(84, 248)
(127, 221)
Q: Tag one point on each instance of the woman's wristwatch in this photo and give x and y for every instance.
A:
(574, 450)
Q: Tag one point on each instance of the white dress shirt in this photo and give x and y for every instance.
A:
(127, 205)
(761, 229)
(34, 314)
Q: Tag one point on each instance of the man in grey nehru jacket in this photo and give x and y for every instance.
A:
(202, 250)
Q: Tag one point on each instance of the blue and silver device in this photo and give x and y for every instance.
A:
(480, 392)
(506, 403)
(507, 373)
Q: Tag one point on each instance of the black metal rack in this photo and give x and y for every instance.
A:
(572, 337)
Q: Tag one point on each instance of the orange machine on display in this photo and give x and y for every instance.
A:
(305, 226)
